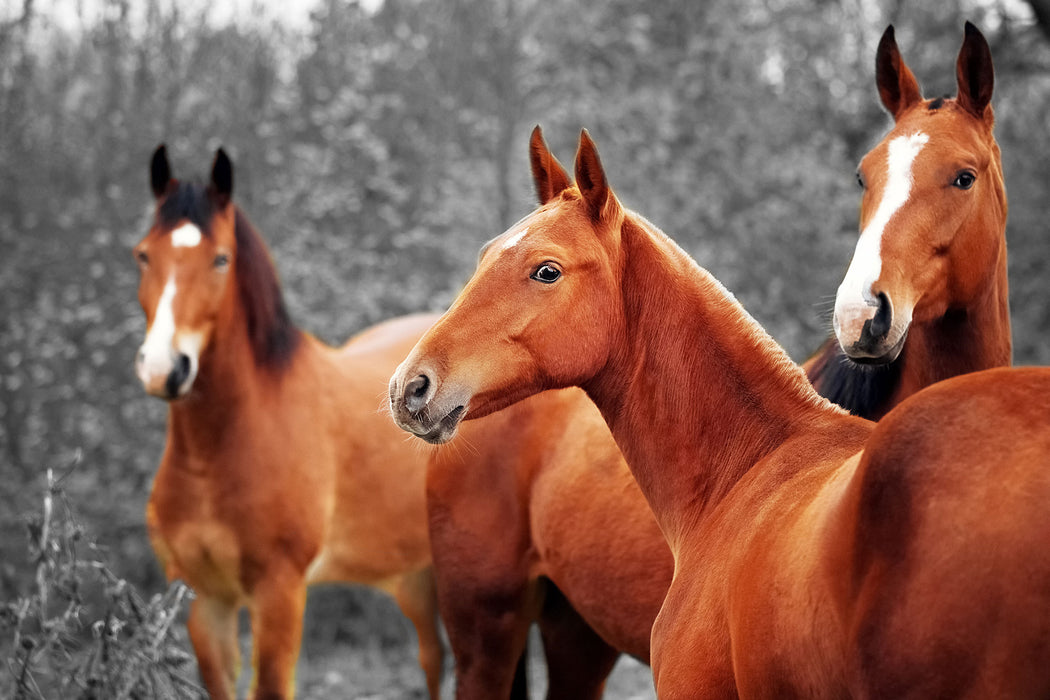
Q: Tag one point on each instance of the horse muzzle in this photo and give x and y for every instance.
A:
(417, 408)
(167, 375)
(870, 332)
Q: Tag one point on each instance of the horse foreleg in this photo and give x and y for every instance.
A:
(416, 595)
(212, 625)
(487, 629)
(578, 660)
(277, 624)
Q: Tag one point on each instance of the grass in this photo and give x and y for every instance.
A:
(75, 629)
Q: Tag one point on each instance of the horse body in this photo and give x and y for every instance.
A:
(262, 487)
(553, 503)
(816, 554)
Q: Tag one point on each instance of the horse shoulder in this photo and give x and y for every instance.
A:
(781, 550)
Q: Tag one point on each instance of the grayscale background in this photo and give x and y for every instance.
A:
(377, 145)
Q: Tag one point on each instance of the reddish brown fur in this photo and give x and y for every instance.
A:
(815, 554)
(533, 493)
(969, 334)
(280, 467)
(538, 494)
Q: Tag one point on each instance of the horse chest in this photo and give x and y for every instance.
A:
(193, 546)
(211, 525)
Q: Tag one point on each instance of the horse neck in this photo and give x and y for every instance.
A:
(963, 340)
(232, 381)
(696, 393)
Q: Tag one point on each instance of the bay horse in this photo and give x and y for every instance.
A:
(925, 269)
(564, 533)
(279, 468)
(816, 553)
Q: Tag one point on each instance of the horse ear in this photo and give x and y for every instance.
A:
(159, 172)
(222, 177)
(898, 88)
(590, 176)
(547, 173)
(974, 72)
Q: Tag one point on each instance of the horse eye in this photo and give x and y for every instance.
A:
(222, 261)
(142, 258)
(546, 273)
(964, 180)
(860, 180)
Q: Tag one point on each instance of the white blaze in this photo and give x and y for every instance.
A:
(515, 239)
(156, 352)
(186, 236)
(866, 265)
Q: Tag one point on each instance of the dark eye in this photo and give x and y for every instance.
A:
(222, 261)
(860, 180)
(142, 258)
(546, 273)
(964, 180)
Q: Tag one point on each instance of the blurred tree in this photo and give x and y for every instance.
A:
(1041, 10)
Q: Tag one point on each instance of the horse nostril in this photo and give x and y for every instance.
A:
(880, 324)
(415, 392)
(178, 375)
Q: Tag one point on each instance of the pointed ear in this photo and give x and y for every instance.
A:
(974, 73)
(222, 177)
(159, 172)
(547, 173)
(590, 177)
(898, 88)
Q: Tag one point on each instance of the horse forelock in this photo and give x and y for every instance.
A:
(273, 336)
(188, 201)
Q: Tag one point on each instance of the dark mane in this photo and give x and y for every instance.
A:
(862, 390)
(936, 104)
(188, 200)
(273, 336)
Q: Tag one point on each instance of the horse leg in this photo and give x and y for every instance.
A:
(488, 631)
(276, 608)
(212, 625)
(578, 660)
(487, 603)
(416, 595)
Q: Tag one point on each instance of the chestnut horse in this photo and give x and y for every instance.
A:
(542, 495)
(925, 269)
(279, 470)
(816, 553)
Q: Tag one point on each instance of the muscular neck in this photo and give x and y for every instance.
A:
(228, 383)
(696, 392)
(961, 341)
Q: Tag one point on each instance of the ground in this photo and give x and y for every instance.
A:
(357, 646)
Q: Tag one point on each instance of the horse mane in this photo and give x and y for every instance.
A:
(790, 374)
(272, 335)
(862, 390)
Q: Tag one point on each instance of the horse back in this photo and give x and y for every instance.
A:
(377, 522)
(950, 573)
